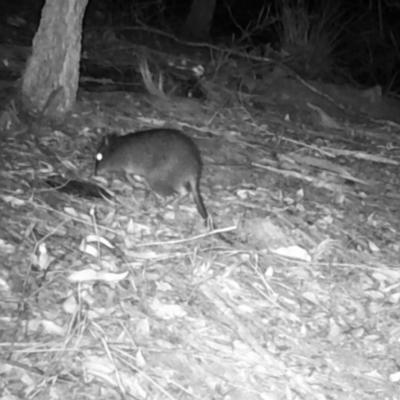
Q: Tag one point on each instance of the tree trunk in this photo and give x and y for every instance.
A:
(51, 77)
(198, 23)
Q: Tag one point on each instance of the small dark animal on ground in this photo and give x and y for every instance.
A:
(167, 159)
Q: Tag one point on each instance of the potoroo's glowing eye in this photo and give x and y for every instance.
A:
(99, 156)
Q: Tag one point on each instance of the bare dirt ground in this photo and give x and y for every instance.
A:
(127, 298)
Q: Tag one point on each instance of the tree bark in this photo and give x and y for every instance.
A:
(198, 24)
(50, 81)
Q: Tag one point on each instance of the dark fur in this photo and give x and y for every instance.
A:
(168, 159)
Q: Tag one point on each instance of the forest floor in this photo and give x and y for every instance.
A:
(126, 298)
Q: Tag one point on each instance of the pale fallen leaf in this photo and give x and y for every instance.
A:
(373, 247)
(395, 377)
(143, 327)
(88, 249)
(387, 275)
(100, 239)
(295, 252)
(6, 248)
(73, 213)
(70, 306)
(394, 298)
(243, 194)
(163, 286)
(44, 260)
(98, 365)
(140, 361)
(358, 333)
(269, 273)
(375, 375)
(111, 277)
(135, 228)
(4, 285)
(52, 328)
(335, 334)
(300, 194)
(14, 201)
(92, 275)
(310, 296)
(167, 311)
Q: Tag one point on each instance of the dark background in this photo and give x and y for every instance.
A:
(354, 42)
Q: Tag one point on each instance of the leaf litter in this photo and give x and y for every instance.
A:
(129, 299)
